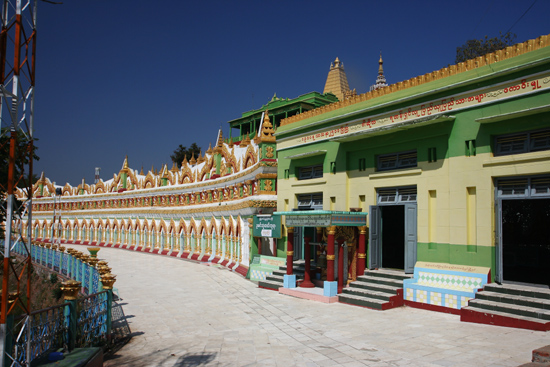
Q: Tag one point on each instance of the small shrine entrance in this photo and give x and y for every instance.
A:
(338, 240)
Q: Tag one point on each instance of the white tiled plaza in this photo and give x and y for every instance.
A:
(186, 314)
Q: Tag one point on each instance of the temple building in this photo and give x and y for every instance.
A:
(440, 184)
(202, 211)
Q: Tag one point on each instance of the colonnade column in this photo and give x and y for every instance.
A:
(362, 253)
(289, 280)
(307, 254)
(330, 287)
(341, 245)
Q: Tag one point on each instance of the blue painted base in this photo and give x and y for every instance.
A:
(289, 281)
(330, 289)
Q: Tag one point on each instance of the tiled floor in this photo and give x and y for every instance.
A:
(186, 314)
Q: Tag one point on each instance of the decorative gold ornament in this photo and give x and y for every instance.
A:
(108, 280)
(70, 289)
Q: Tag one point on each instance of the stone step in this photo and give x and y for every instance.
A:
(387, 273)
(376, 304)
(269, 284)
(297, 272)
(392, 282)
(360, 292)
(513, 309)
(275, 278)
(519, 290)
(500, 318)
(375, 287)
(514, 299)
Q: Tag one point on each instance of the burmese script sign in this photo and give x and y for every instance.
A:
(491, 94)
(266, 226)
(314, 220)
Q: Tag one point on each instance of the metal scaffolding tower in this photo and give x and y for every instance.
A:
(17, 78)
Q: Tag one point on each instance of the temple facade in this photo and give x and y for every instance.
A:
(201, 211)
(451, 167)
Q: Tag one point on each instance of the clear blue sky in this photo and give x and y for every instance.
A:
(138, 78)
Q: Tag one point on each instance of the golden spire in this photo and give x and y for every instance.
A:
(174, 168)
(266, 130)
(184, 162)
(380, 67)
(193, 161)
(209, 151)
(220, 138)
(141, 172)
(337, 81)
(201, 158)
(125, 165)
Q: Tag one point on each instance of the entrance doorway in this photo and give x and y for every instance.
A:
(523, 227)
(526, 240)
(392, 232)
(393, 236)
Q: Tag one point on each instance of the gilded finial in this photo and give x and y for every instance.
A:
(193, 161)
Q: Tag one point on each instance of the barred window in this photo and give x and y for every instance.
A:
(397, 160)
(309, 172)
(310, 201)
(522, 143)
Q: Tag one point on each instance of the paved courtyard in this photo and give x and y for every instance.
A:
(183, 313)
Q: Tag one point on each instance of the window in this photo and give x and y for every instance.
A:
(309, 172)
(432, 155)
(397, 160)
(520, 187)
(396, 195)
(470, 148)
(362, 164)
(310, 201)
(522, 143)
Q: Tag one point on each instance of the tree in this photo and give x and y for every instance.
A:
(20, 173)
(184, 152)
(475, 48)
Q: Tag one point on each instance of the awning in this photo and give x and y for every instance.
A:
(323, 218)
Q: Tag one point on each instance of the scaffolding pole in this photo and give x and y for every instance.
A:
(17, 78)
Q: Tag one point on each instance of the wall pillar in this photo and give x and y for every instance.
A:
(362, 255)
(307, 274)
(330, 287)
(289, 280)
(341, 246)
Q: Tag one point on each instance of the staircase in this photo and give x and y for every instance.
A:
(510, 305)
(275, 281)
(378, 289)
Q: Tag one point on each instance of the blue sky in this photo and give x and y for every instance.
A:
(138, 78)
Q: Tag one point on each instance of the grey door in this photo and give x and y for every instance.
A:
(374, 237)
(410, 237)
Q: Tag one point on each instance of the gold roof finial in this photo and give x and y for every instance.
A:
(174, 168)
(267, 129)
(193, 161)
(380, 67)
(141, 172)
(209, 151)
(201, 158)
(220, 138)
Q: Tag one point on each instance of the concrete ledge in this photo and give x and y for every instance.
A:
(313, 294)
